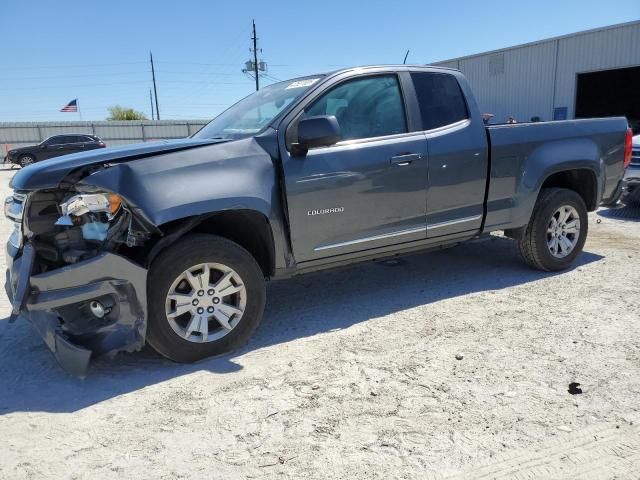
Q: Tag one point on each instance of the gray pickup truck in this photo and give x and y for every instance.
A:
(170, 243)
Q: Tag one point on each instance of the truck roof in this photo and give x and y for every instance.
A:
(398, 67)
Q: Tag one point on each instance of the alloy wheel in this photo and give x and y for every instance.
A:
(563, 231)
(206, 302)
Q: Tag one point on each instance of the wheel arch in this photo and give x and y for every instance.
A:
(583, 181)
(248, 228)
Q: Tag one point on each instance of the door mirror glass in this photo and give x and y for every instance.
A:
(319, 131)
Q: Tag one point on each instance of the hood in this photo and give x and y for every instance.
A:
(50, 173)
(22, 149)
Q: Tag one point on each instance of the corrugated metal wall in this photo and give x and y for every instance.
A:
(20, 134)
(531, 80)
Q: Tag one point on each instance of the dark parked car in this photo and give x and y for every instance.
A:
(170, 243)
(54, 147)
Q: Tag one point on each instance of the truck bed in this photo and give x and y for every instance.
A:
(524, 155)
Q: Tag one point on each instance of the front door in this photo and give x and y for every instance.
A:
(368, 190)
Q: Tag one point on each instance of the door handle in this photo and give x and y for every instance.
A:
(405, 159)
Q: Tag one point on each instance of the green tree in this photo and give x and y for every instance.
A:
(122, 113)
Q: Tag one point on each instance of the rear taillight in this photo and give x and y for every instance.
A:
(102, 144)
(627, 147)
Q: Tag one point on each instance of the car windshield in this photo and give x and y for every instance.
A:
(253, 113)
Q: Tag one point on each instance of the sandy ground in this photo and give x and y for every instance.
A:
(353, 374)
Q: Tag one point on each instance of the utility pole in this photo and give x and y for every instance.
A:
(253, 67)
(255, 56)
(151, 102)
(155, 89)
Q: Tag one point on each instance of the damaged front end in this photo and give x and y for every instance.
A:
(75, 271)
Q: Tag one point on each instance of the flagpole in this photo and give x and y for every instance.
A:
(78, 105)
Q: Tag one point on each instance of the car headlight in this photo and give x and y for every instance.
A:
(84, 203)
(11, 152)
(92, 212)
(14, 207)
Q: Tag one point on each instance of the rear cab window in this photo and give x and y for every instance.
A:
(440, 99)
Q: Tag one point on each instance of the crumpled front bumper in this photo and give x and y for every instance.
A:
(57, 304)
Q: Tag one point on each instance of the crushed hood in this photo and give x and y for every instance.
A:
(50, 173)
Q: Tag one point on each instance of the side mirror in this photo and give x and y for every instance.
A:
(320, 131)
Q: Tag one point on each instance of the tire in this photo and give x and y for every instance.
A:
(533, 246)
(26, 160)
(632, 199)
(166, 270)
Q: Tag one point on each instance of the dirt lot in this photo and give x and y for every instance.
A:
(353, 374)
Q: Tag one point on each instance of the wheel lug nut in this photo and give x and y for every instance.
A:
(211, 291)
(200, 293)
(216, 300)
(210, 309)
(195, 302)
(200, 310)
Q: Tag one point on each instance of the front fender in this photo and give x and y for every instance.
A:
(237, 175)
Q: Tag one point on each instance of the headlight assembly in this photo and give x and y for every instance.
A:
(94, 213)
(84, 203)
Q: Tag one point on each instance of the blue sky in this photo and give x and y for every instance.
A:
(54, 51)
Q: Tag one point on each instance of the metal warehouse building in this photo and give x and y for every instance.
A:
(586, 74)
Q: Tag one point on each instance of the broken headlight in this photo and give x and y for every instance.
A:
(93, 213)
(84, 203)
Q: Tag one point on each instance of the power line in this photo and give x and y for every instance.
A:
(75, 76)
(75, 86)
(77, 65)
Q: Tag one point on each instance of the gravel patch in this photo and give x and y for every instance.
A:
(452, 364)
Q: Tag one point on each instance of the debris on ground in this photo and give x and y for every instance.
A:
(574, 388)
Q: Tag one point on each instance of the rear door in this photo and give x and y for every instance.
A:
(366, 191)
(458, 155)
(75, 143)
(87, 143)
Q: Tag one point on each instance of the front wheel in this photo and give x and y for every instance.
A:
(26, 160)
(206, 297)
(556, 232)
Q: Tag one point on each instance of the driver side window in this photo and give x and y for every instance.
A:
(365, 108)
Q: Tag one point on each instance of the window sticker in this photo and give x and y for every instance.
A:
(302, 83)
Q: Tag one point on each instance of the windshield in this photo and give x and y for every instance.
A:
(253, 113)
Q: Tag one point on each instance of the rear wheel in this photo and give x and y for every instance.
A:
(206, 297)
(557, 230)
(25, 160)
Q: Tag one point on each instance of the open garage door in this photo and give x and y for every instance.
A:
(610, 93)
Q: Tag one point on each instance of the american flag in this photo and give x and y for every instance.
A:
(72, 106)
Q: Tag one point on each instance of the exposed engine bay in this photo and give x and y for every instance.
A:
(70, 226)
